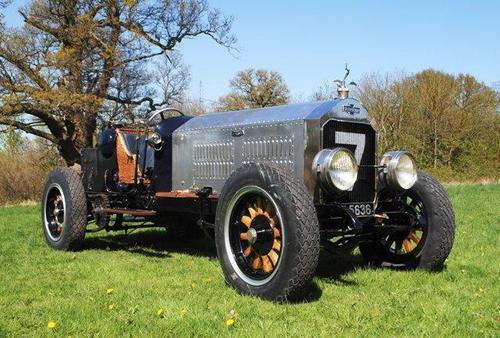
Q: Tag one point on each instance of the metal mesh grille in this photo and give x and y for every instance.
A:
(360, 139)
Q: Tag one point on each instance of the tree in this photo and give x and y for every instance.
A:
(75, 62)
(325, 92)
(255, 89)
(12, 142)
(193, 107)
(444, 120)
(174, 78)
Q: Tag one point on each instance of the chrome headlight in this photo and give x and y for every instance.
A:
(400, 170)
(337, 169)
(154, 140)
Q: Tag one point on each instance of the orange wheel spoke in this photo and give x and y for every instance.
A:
(266, 262)
(248, 251)
(252, 212)
(246, 220)
(244, 236)
(274, 257)
(260, 211)
(407, 245)
(257, 263)
(277, 245)
(276, 232)
(413, 236)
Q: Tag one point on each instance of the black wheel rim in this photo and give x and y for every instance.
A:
(255, 235)
(409, 243)
(54, 212)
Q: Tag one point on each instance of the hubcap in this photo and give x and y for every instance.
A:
(54, 206)
(254, 235)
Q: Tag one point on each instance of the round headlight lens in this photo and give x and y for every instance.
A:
(336, 168)
(406, 172)
(343, 170)
(401, 170)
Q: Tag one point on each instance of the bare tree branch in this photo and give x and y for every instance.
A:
(28, 129)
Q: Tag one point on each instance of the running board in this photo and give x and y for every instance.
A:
(133, 212)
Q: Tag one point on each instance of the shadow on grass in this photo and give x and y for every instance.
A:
(332, 266)
(151, 243)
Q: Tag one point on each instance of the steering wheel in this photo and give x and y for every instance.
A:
(161, 113)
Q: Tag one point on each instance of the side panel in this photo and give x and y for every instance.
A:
(94, 167)
(207, 157)
(162, 172)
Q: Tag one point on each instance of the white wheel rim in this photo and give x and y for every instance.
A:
(227, 220)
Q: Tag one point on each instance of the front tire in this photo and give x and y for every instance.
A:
(267, 232)
(428, 245)
(64, 210)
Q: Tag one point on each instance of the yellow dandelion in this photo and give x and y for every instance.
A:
(160, 313)
(230, 322)
(51, 324)
(110, 291)
(111, 306)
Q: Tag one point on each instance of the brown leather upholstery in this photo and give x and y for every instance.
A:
(126, 160)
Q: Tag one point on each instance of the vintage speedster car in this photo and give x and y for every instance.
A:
(270, 185)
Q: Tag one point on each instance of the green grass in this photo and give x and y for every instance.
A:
(148, 272)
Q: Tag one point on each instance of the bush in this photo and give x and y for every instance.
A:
(23, 175)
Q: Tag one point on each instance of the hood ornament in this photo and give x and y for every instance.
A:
(342, 87)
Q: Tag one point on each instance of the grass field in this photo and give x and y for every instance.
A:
(118, 283)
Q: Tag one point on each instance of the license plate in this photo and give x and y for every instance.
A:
(361, 209)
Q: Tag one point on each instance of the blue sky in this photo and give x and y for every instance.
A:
(309, 41)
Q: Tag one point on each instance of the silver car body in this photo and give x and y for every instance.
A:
(208, 148)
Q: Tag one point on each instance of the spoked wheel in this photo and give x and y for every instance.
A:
(255, 234)
(429, 239)
(64, 210)
(266, 232)
(54, 212)
(402, 245)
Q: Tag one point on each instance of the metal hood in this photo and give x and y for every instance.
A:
(343, 109)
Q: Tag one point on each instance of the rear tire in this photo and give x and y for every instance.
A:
(437, 239)
(64, 210)
(281, 259)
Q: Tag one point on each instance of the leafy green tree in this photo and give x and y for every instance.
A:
(445, 120)
(12, 142)
(253, 88)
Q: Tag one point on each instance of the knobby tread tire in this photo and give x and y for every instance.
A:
(441, 230)
(75, 211)
(442, 241)
(305, 227)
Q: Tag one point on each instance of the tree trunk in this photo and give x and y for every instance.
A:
(79, 134)
(69, 152)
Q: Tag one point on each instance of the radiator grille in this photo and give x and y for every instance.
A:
(213, 161)
(360, 139)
